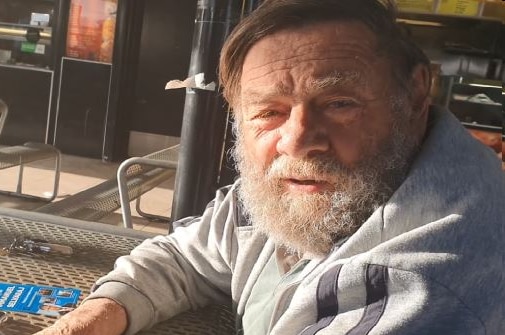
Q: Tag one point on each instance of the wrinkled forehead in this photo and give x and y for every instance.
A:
(318, 56)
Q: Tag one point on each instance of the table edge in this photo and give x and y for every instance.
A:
(75, 223)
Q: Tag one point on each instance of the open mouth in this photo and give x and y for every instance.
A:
(307, 185)
(305, 182)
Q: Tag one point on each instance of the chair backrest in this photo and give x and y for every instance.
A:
(4, 109)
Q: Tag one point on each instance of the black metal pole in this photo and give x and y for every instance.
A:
(204, 121)
(205, 134)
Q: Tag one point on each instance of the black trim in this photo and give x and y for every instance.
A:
(225, 190)
(185, 222)
(376, 299)
(210, 204)
(327, 302)
(241, 219)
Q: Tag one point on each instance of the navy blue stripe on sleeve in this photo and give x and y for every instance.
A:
(376, 299)
(327, 303)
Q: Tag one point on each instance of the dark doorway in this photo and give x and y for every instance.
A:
(164, 54)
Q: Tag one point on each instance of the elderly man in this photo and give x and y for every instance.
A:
(360, 209)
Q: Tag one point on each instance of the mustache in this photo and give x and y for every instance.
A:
(323, 167)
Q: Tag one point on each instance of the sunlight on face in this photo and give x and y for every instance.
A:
(322, 135)
(310, 223)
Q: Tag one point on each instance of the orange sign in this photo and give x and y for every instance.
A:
(91, 28)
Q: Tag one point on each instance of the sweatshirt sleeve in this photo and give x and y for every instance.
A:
(167, 275)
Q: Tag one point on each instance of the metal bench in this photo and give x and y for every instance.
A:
(135, 177)
(20, 155)
(158, 166)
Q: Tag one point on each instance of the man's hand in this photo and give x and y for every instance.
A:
(94, 317)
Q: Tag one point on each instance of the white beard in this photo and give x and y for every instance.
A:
(312, 223)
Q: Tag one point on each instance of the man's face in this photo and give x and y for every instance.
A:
(321, 141)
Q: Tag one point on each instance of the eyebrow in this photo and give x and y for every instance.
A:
(266, 93)
(335, 79)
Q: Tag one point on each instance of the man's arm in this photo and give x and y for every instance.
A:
(162, 277)
(95, 316)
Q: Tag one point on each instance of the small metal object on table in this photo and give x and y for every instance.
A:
(95, 248)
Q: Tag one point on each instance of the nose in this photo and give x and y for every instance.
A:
(303, 134)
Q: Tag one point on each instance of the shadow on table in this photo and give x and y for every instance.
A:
(18, 326)
(211, 320)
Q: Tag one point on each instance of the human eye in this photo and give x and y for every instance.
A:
(341, 109)
(340, 104)
(267, 114)
(266, 118)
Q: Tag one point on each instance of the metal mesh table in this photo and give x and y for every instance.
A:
(96, 246)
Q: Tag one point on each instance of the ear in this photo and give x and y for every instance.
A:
(420, 93)
(420, 101)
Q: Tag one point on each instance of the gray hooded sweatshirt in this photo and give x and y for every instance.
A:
(429, 261)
